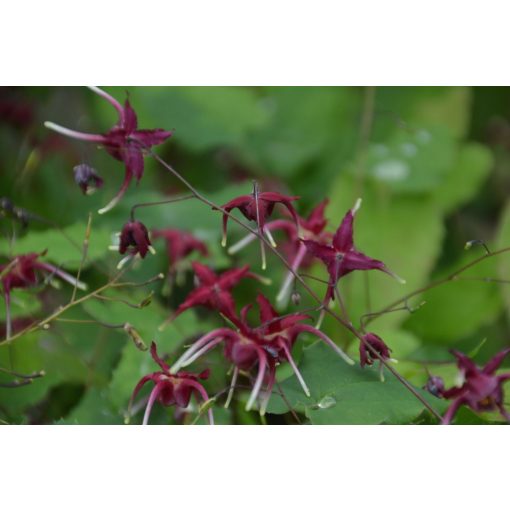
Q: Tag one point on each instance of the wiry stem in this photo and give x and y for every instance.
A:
(198, 387)
(62, 309)
(310, 291)
(83, 256)
(437, 283)
(232, 387)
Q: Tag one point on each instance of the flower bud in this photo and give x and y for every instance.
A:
(87, 179)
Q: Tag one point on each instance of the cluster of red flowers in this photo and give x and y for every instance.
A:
(254, 350)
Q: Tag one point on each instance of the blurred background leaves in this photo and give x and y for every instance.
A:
(432, 167)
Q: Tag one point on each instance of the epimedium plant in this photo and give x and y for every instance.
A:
(256, 353)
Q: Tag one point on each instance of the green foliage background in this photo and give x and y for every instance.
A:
(433, 172)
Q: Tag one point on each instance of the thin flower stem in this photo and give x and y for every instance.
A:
(232, 387)
(62, 309)
(437, 283)
(287, 403)
(34, 375)
(159, 202)
(85, 251)
(200, 389)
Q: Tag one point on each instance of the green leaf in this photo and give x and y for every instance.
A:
(467, 175)
(461, 307)
(344, 394)
(412, 162)
(404, 232)
(503, 260)
(204, 117)
(63, 251)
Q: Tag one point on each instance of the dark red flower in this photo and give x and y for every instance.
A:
(180, 244)
(171, 388)
(264, 347)
(87, 179)
(21, 272)
(258, 207)
(341, 257)
(482, 389)
(135, 238)
(124, 142)
(214, 291)
(366, 356)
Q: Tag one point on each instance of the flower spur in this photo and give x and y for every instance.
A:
(124, 141)
(264, 347)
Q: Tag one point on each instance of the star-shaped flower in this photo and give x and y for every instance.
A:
(263, 347)
(341, 257)
(258, 207)
(171, 388)
(482, 389)
(214, 291)
(311, 228)
(21, 273)
(124, 141)
(179, 244)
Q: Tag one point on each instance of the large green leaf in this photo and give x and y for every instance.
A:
(458, 308)
(204, 117)
(344, 394)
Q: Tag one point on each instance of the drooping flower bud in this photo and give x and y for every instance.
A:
(87, 178)
(135, 237)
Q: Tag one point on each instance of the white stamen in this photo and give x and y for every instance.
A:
(381, 372)
(200, 352)
(396, 276)
(124, 261)
(110, 205)
(258, 382)
(195, 347)
(357, 205)
(152, 249)
(270, 237)
(245, 241)
(295, 368)
(263, 255)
